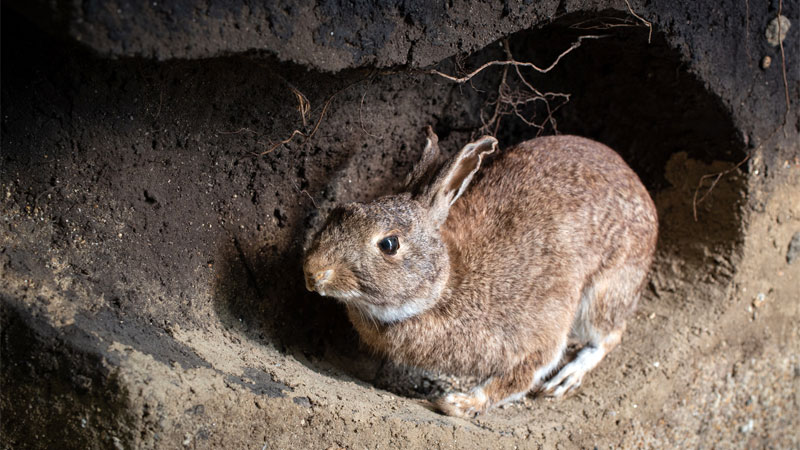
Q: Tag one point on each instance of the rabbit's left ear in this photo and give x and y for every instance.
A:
(420, 177)
(456, 175)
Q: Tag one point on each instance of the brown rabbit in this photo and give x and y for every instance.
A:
(550, 244)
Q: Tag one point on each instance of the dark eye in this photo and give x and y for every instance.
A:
(389, 245)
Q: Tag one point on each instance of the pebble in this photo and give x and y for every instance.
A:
(759, 300)
(771, 33)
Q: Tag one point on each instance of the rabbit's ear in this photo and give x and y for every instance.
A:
(456, 175)
(423, 172)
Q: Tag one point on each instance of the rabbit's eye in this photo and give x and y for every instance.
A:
(389, 245)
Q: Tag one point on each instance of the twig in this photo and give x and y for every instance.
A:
(603, 23)
(498, 107)
(285, 141)
(510, 102)
(307, 136)
(512, 62)
(644, 21)
(716, 176)
(321, 115)
(304, 106)
(303, 191)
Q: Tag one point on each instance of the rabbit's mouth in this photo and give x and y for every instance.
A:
(339, 295)
(324, 283)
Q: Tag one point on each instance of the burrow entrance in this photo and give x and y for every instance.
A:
(636, 96)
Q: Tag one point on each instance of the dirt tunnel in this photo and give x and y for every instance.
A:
(155, 224)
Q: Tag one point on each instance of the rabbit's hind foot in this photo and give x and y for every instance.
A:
(571, 375)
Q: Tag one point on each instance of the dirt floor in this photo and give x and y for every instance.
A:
(152, 232)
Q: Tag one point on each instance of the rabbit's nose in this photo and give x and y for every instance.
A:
(318, 279)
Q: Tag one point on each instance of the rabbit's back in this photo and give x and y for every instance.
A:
(553, 204)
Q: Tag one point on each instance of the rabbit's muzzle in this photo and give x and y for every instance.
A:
(316, 281)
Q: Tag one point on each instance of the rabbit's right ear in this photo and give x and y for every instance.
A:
(454, 177)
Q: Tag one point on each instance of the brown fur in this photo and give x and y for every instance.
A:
(498, 276)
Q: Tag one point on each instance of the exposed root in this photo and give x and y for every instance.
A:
(303, 191)
(515, 101)
(715, 179)
(285, 141)
(642, 19)
(604, 23)
(304, 106)
(512, 62)
(246, 130)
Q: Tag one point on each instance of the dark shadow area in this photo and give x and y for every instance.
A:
(136, 172)
(52, 389)
(633, 95)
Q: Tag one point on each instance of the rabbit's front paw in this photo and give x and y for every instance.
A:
(459, 404)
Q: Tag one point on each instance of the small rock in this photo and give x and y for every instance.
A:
(773, 34)
(766, 62)
(302, 401)
(747, 427)
(794, 248)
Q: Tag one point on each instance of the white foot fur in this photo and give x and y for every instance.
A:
(571, 375)
(459, 404)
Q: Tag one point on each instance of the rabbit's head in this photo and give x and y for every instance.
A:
(386, 257)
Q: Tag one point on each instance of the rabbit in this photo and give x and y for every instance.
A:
(493, 274)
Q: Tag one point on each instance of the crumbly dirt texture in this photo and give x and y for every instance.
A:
(151, 292)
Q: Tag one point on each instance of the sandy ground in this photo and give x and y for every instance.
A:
(709, 361)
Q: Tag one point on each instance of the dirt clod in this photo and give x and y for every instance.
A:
(793, 251)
